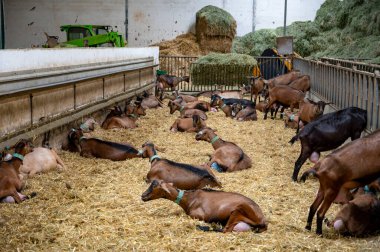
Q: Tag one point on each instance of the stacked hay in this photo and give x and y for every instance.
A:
(228, 69)
(215, 29)
(342, 29)
(95, 205)
(184, 44)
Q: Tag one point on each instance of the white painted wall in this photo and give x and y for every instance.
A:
(149, 21)
(154, 21)
(27, 20)
(33, 59)
(270, 13)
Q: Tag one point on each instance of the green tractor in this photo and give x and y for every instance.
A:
(87, 36)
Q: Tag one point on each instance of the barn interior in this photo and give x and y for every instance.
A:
(95, 204)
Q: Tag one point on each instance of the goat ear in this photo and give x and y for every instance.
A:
(164, 186)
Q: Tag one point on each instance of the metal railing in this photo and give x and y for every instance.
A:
(230, 77)
(344, 87)
(361, 66)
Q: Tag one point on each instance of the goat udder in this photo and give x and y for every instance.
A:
(314, 157)
(339, 226)
(242, 227)
(8, 199)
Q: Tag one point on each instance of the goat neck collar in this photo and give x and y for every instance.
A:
(179, 196)
(19, 156)
(223, 105)
(214, 139)
(152, 158)
(82, 137)
(84, 126)
(132, 115)
(181, 108)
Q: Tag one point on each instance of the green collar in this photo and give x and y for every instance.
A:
(152, 158)
(19, 156)
(132, 115)
(223, 105)
(214, 139)
(179, 196)
(181, 108)
(82, 137)
(84, 126)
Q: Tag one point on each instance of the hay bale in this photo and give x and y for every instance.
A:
(183, 45)
(228, 69)
(215, 29)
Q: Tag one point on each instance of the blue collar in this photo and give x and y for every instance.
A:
(152, 158)
(84, 126)
(179, 196)
(82, 137)
(181, 108)
(223, 105)
(19, 156)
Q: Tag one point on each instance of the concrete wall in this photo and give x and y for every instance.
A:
(154, 21)
(26, 21)
(148, 21)
(270, 13)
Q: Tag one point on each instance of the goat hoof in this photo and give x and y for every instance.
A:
(308, 227)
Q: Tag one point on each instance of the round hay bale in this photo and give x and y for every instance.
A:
(215, 29)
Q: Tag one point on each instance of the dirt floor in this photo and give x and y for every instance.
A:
(95, 205)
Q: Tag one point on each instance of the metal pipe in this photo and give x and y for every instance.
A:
(286, 4)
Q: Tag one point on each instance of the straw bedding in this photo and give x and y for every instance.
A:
(95, 204)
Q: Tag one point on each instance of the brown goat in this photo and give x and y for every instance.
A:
(115, 120)
(189, 113)
(218, 101)
(302, 83)
(93, 147)
(201, 105)
(284, 95)
(247, 113)
(310, 110)
(359, 216)
(149, 101)
(284, 79)
(10, 182)
(227, 157)
(235, 211)
(256, 87)
(169, 81)
(193, 124)
(355, 164)
(183, 176)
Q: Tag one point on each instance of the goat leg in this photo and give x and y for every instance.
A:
(313, 208)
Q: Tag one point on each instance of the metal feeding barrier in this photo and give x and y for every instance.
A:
(344, 87)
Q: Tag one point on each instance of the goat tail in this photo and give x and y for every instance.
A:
(294, 139)
(311, 171)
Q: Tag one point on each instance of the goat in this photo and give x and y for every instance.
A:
(302, 83)
(169, 81)
(327, 133)
(353, 165)
(235, 211)
(88, 125)
(230, 101)
(183, 176)
(227, 157)
(218, 101)
(359, 216)
(309, 111)
(193, 124)
(285, 96)
(10, 182)
(40, 160)
(201, 105)
(149, 101)
(92, 147)
(247, 113)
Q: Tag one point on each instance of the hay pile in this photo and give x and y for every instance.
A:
(215, 29)
(95, 205)
(231, 69)
(184, 44)
(342, 29)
